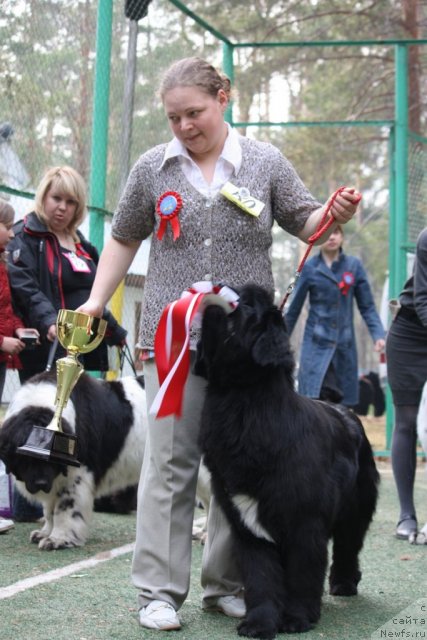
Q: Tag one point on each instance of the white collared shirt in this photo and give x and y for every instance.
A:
(228, 163)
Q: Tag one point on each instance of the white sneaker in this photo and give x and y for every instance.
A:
(159, 615)
(233, 606)
(6, 524)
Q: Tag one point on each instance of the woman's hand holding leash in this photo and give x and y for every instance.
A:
(344, 204)
(339, 209)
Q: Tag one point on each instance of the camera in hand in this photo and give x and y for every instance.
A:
(30, 340)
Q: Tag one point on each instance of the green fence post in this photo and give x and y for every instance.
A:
(401, 167)
(98, 167)
(393, 241)
(398, 231)
(392, 285)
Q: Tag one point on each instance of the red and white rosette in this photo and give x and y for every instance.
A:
(168, 206)
(172, 342)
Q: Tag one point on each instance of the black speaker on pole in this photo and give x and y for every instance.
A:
(136, 9)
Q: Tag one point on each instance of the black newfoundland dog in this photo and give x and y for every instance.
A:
(290, 472)
(109, 420)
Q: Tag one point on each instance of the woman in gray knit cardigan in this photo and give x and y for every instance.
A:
(183, 195)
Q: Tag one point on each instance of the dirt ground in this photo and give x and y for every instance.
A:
(376, 431)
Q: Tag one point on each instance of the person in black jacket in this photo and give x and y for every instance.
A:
(406, 351)
(52, 266)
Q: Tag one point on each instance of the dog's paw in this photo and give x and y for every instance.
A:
(254, 630)
(36, 536)
(344, 588)
(292, 624)
(199, 530)
(261, 621)
(344, 585)
(51, 544)
(419, 537)
(200, 536)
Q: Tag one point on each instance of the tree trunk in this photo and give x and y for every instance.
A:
(410, 22)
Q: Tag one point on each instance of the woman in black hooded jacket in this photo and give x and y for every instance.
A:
(52, 266)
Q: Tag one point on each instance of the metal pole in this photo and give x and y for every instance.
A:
(98, 170)
(128, 102)
(117, 300)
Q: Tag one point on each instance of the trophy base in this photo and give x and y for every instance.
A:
(51, 446)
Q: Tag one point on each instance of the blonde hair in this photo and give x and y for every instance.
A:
(7, 216)
(194, 72)
(69, 182)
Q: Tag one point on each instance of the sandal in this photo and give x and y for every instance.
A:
(406, 527)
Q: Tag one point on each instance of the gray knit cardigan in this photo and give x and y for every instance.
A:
(218, 241)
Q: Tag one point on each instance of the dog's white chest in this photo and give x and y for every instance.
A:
(248, 510)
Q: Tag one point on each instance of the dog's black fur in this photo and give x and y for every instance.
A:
(289, 472)
(109, 421)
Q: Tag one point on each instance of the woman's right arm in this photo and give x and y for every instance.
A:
(115, 260)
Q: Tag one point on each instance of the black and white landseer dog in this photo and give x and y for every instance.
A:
(109, 421)
(289, 472)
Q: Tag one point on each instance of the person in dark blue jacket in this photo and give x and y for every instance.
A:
(328, 367)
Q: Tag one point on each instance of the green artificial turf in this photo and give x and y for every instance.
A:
(99, 603)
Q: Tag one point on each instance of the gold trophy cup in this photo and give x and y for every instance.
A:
(78, 333)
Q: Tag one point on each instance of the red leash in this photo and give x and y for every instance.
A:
(322, 227)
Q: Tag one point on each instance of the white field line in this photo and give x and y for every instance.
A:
(62, 572)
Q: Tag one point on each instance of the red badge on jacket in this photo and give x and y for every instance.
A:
(168, 206)
(346, 282)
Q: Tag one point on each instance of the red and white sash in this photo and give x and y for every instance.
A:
(172, 341)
